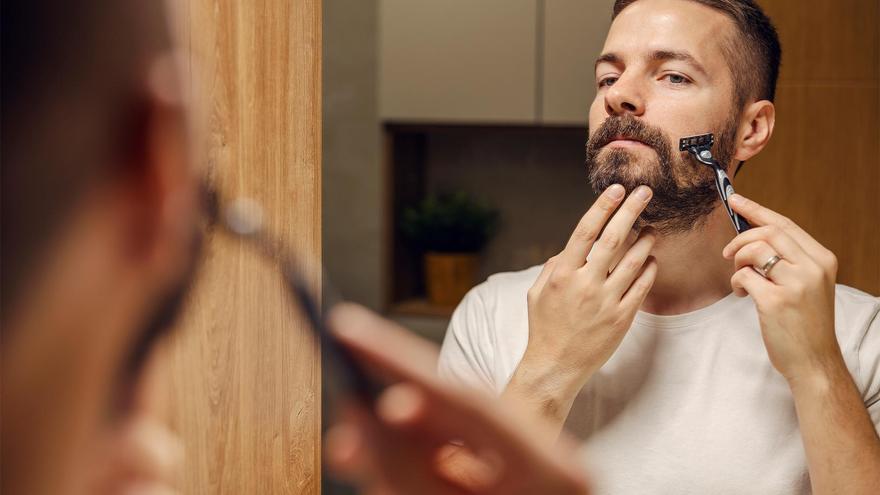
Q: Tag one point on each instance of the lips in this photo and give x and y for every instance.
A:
(625, 141)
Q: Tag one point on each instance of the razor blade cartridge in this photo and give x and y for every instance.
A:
(703, 140)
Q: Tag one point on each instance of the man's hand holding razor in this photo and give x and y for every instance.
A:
(791, 278)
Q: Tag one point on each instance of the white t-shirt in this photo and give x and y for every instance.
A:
(688, 404)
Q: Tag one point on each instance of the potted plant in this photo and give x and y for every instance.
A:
(451, 230)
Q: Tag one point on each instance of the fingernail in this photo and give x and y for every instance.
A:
(643, 193)
(735, 199)
(616, 191)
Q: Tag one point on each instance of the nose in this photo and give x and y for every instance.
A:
(624, 96)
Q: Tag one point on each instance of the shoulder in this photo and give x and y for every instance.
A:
(502, 295)
(855, 313)
(858, 330)
(504, 292)
(497, 308)
(487, 329)
(505, 286)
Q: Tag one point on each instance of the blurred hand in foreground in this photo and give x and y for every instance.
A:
(399, 447)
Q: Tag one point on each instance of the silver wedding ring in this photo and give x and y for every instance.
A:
(765, 270)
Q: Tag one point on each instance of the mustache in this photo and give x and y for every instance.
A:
(628, 127)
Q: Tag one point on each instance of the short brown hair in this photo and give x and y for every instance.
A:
(754, 55)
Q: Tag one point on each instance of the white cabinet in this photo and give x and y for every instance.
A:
(457, 61)
(489, 61)
(574, 33)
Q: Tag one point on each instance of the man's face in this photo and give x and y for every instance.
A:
(663, 76)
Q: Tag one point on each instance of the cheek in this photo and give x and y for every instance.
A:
(597, 114)
(681, 117)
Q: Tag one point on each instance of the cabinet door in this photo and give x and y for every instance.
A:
(574, 33)
(460, 61)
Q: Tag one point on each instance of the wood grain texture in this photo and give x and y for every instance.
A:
(244, 375)
(822, 167)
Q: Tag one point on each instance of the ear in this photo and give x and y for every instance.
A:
(158, 183)
(756, 128)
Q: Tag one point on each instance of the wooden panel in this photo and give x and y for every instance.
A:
(574, 33)
(244, 375)
(457, 60)
(822, 167)
(827, 41)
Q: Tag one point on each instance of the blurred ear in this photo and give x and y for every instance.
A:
(756, 128)
(158, 183)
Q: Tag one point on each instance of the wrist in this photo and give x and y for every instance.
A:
(549, 378)
(819, 379)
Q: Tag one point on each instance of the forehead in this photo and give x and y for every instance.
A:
(681, 25)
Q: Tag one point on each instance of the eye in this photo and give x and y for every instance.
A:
(677, 79)
(608, 81)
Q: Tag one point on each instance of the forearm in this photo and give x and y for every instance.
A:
(842, 446)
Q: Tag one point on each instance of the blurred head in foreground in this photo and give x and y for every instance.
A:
(100, 223)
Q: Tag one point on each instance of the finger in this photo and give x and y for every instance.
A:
(782, 243)
(611, 243)
(400, 407)
(362, 451)
(469, 418)
(641, 286)
(746, 281)
(589, 227)
(630, 266)
(384, 345)
(757, 254)
(761, 215)
(631, 239)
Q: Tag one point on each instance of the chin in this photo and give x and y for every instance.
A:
(628, 167)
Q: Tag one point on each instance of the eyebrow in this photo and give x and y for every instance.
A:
(656, 56)
(610, 58)
(666, 55)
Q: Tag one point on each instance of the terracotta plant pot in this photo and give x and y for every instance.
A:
(449, 276)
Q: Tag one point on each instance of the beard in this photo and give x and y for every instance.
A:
(684, 189)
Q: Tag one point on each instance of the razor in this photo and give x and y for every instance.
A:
(701, 148)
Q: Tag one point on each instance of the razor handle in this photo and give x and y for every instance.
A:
(725, 190)
(700, 147)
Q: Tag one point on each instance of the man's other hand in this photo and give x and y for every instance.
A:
(580, 309)
(397, 447)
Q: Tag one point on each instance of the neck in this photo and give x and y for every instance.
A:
(692, 274)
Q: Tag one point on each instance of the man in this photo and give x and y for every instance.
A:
(635, 341)
(101, 222)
